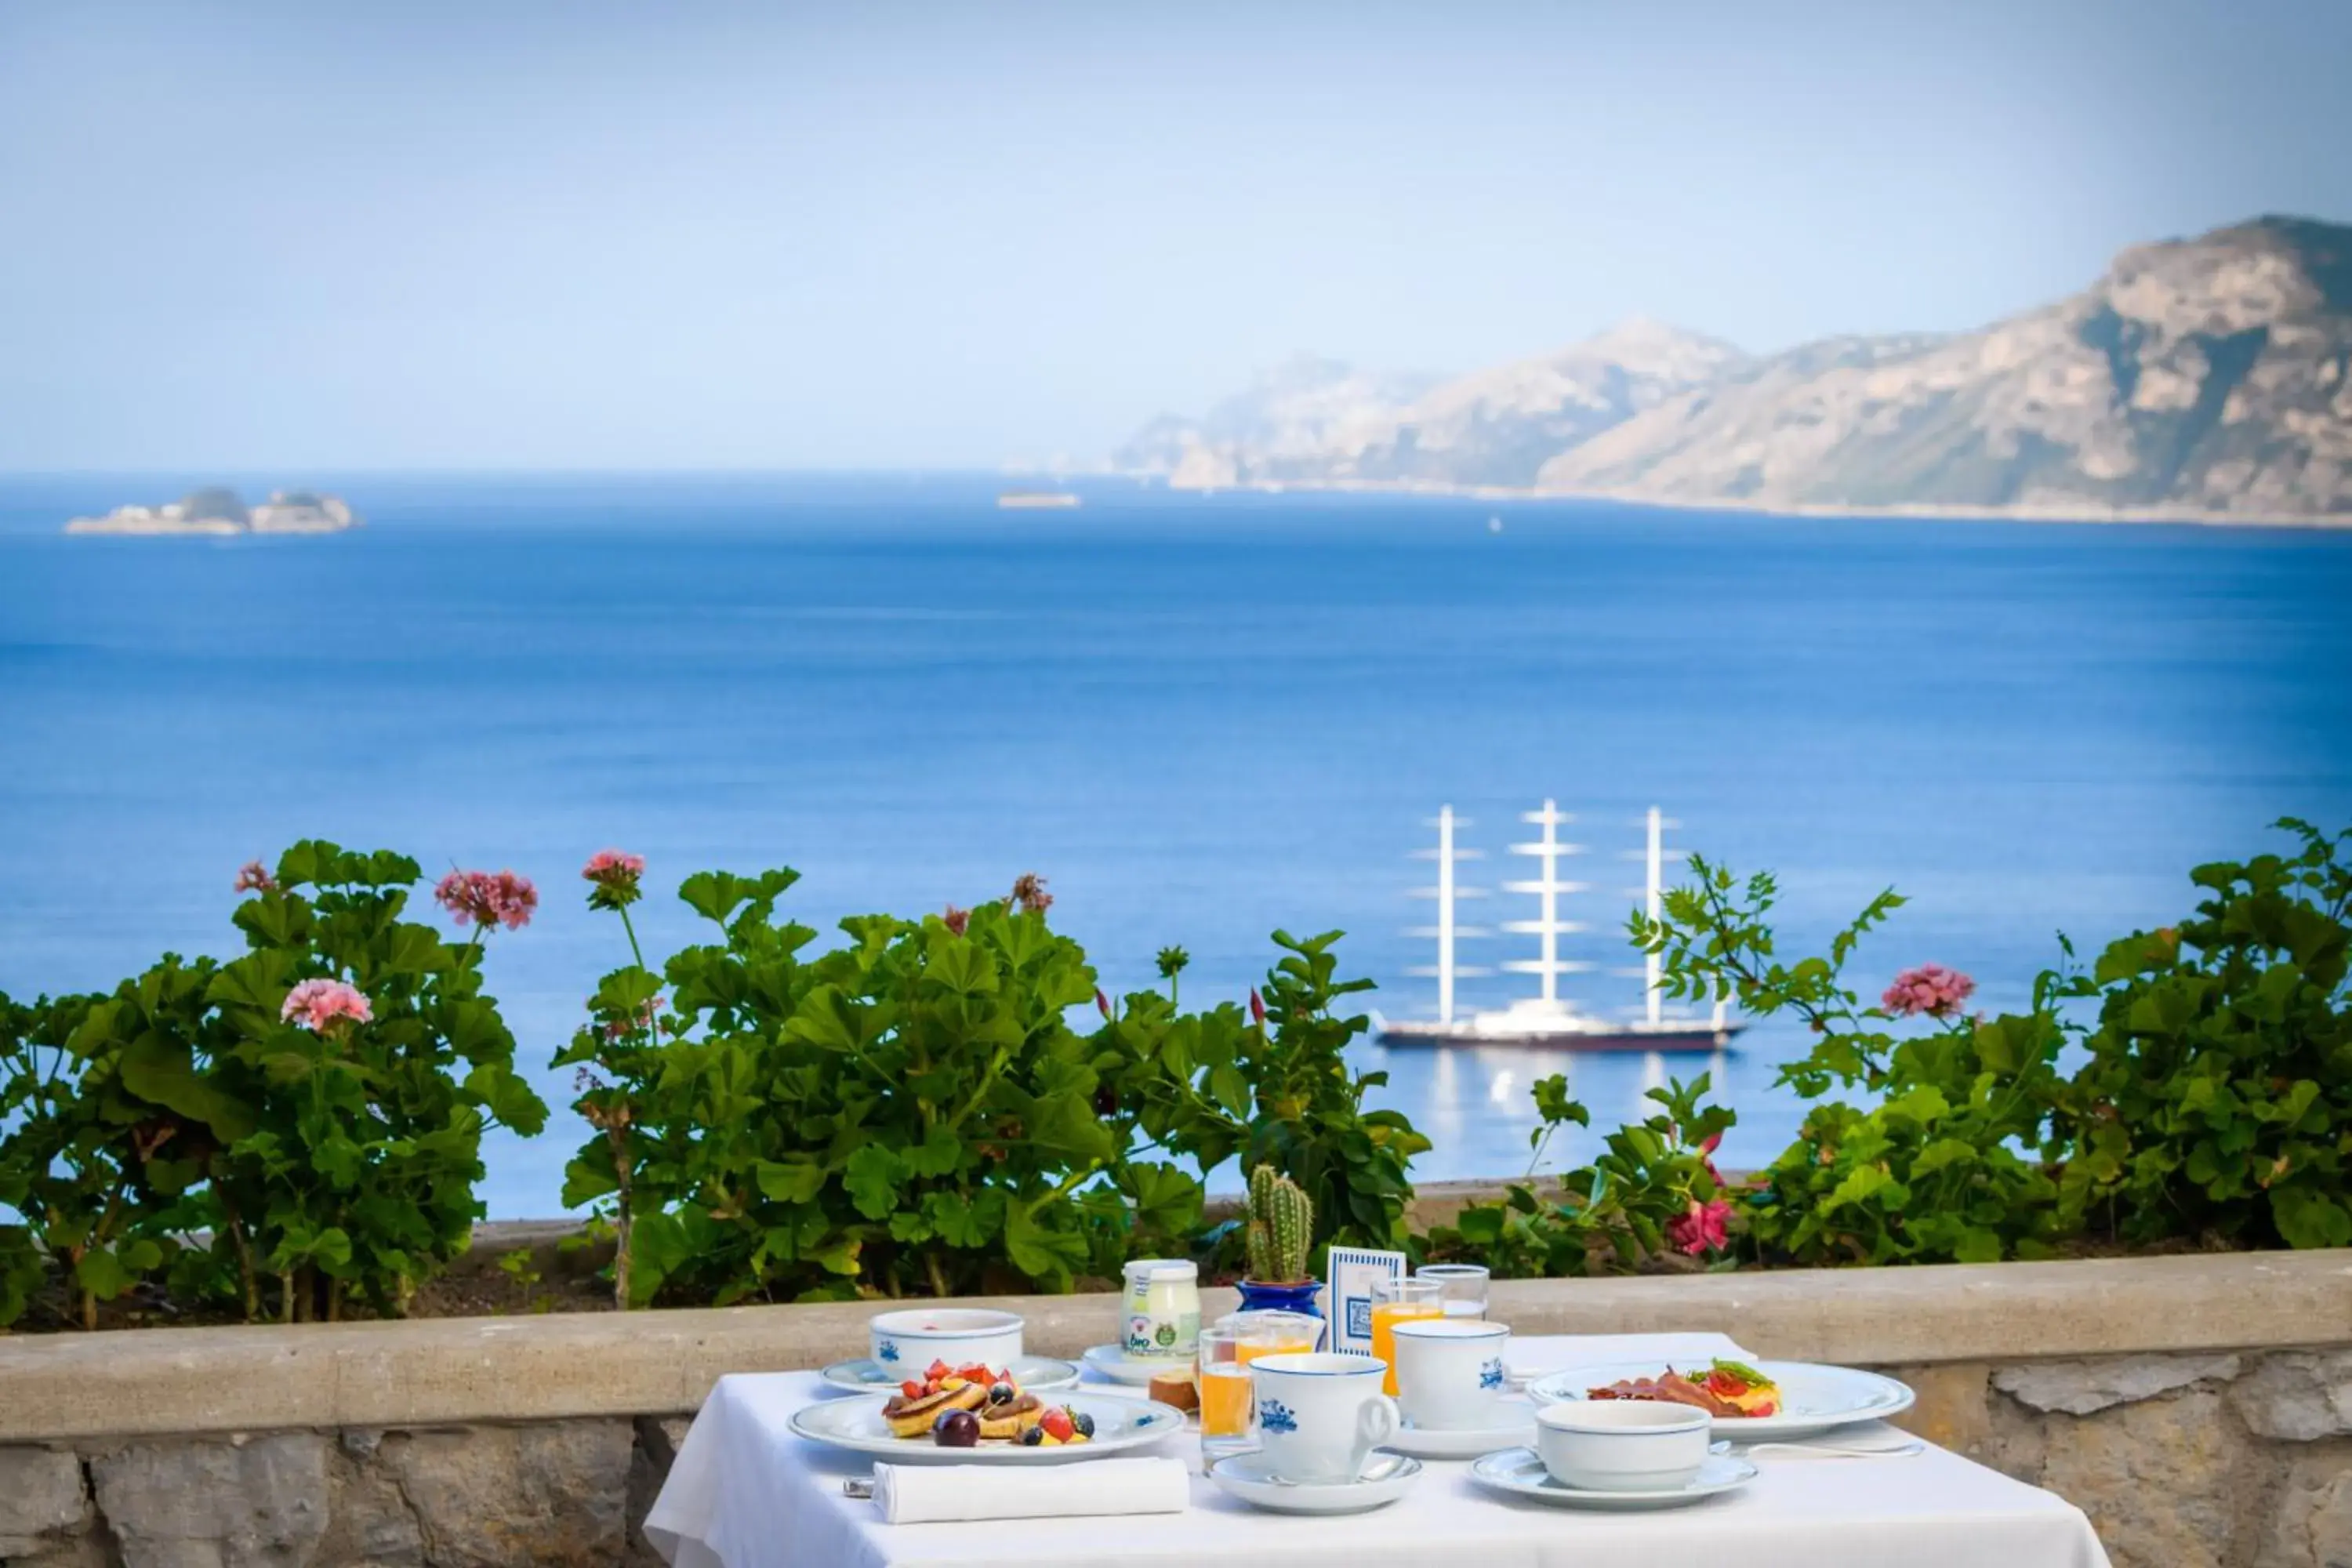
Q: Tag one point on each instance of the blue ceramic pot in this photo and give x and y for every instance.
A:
(1299, 1295)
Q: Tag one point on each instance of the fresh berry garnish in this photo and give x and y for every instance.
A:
(913, 1389)
(1083, 1421)
(937, 1370)
(1032, 1436)
(1057, 1424)
(1001, 1393)
(956, 1429)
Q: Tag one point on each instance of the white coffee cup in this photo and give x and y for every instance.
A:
(1320, 1415)
(1623, 1444)
(1450, 1374)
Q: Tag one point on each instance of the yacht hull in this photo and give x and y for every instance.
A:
(1704, 1037)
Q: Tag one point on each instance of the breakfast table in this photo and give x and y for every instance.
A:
(746, 1492)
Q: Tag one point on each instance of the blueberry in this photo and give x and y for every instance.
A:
(1034, 1437)
(1083, 1421)
(1000, 1394)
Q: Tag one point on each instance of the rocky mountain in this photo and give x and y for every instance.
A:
(2210, 376)
(1288, 417)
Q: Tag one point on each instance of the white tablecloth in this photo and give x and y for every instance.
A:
(746, 1493)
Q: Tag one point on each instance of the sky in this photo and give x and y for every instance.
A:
(314, 238)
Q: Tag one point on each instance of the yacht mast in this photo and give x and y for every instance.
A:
(1446, 892)
(1548, 927)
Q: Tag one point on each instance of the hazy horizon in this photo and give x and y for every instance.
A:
(262, 237)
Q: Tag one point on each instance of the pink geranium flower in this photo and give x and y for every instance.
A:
(487, 898)
(616, 874)
(318, 1004)
(1029, 893)
(1931, 989)
(253, 876)
(1703, 1228)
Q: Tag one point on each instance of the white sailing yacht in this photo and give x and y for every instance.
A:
(1544, 1019)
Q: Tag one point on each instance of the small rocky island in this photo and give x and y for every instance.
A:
(222, 511)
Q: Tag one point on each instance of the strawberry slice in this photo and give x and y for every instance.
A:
(913, 1389)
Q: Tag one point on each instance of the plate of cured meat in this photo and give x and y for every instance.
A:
(1749, 1402)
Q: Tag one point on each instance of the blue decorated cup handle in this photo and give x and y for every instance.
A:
(1376, 1423)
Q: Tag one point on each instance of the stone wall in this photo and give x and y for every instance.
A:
(2181, 1461)
(2178, 1400)
(563, 1493)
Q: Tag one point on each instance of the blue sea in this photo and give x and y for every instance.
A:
(1200, 718)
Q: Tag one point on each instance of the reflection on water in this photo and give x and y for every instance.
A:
(1477, 1105)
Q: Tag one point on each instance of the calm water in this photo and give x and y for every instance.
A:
(1200, 718)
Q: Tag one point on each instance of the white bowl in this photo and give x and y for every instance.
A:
(907, 1341)
(1622, 1445)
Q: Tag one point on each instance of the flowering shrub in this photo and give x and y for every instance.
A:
(1277, 1090)
(79, 1163)
(2217, 1101)
(908, 1111)
(1939, 1166)
(1653, 1189)
(315, 1107)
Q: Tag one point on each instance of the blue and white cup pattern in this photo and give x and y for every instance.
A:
(905, 1342)
(1449, 1374)
(1320, 1415)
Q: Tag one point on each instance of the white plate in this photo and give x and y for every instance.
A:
(1035, 1374)
(1110, 1361)
(1519, 1473)
(1516, 1433)
(1120, 1423)
(1246, 1477)
(1814, 1398)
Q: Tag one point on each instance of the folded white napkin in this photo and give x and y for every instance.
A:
(936, 1494)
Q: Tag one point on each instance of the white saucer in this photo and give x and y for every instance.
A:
(1036, 1374)
(1246, 1476)
(1110, 1361)
(1467, 1444)
(1519, 1473)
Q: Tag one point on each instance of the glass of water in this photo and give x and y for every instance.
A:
(1464, 1284)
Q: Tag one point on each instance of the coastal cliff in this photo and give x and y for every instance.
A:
(2206, 378)
(221, 512)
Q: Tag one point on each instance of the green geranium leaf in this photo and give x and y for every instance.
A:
(872, 1177)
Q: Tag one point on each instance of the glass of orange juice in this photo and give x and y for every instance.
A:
(1393, 1301)
(1299, 1331)
(1225, 1353)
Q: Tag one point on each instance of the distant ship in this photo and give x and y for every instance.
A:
(1544, 1020)
(1021, 499)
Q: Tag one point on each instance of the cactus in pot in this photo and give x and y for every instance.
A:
(1281, 1229)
